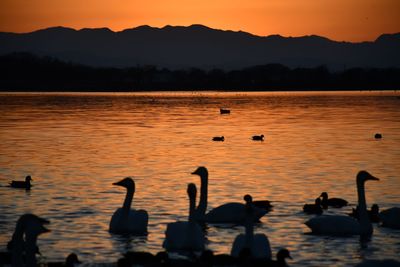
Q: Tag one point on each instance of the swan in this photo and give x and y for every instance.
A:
(227, 213)
(346, 225)
(22, 184)
(390, 217)
(258, 137)
(332, 202)
(218, 138)
(258, 244)
(29, 226)
(313, 208)
(185, 235)
(127, 220)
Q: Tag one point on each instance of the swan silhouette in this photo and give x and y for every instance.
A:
(332, 202)
(227, 213)
(390, 218)
(22, 184)
(185, 235)
(346, 225)
(258, 244)
(126, 220)
(29, 226)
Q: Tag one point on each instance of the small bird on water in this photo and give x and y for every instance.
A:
(22, 184)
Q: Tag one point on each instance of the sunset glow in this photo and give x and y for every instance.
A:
(355, 20)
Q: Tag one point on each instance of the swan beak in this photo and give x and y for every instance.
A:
(373, 178)
(118, 183)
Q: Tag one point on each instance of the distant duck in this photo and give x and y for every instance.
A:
(258, 137)
(339, 225)
(224, 111)
(218, 138)
(22, 184)
(29, 226)
(185, 235)
(315, 208)
(232, 212)
(258, 244)
(332, 202)
(126, 220)
(378, 136)
(390, 217)
(281, 257)
(71, 261)
(373, 213)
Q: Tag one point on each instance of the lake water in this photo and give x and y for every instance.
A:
(75, 145)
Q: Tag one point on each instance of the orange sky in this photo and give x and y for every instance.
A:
(349, 20)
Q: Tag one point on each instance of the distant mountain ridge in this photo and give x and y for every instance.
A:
(198, 46)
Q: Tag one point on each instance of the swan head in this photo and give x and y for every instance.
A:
(283, 254)
(324, 195)
(201, 171)
(34, 225)
(364, 176)
(28, 178)
(71, 260)
(126, 182)
(192, 191)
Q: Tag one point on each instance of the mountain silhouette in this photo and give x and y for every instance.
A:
(177, 47)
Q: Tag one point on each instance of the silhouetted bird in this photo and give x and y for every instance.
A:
(373, 213)
(339, 225)
(22, 184)
(390, 217)
(281, 257)
(218, 138)
(315, 208)
(224, 111)
(127, 220)
(332, 202)
(258, 137)
(378, 136)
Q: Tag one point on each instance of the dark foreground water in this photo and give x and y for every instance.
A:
(76, 145)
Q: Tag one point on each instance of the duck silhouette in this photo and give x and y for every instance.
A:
(22, 184)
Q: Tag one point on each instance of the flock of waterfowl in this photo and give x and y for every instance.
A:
(248, 248)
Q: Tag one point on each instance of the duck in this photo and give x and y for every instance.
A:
(126, 220)
(332, 202)
(258, 137)
(231, 212)
(390, 217)
(315, 208)
(185, 235)
(22, 184)
(338, 225)
(281, 257)
(224, 111)
(373, 213)
(70, 261)
(23, 244)
(218, 138)
(258, 244)
(378, 136)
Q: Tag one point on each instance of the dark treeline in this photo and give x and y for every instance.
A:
(27, 72)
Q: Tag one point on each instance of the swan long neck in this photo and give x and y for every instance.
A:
(202, 207)
(128, 199)
(31, 249)
(17, 246)
(365, 224)
(192, 208)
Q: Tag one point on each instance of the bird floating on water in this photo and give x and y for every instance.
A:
(315, 208)
(22, 184)
(218, 138)
(126, 220)
(390, 218)
(332, 202)
(258, 137)
(378, 136)
(338, 225)
(224, 111)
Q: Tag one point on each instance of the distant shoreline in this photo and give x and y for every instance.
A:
(24, 72)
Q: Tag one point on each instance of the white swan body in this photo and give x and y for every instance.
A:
(125, 219)
(232, 212)
(344, 225)
(258, 244)
(390, 218)
(185, 236)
